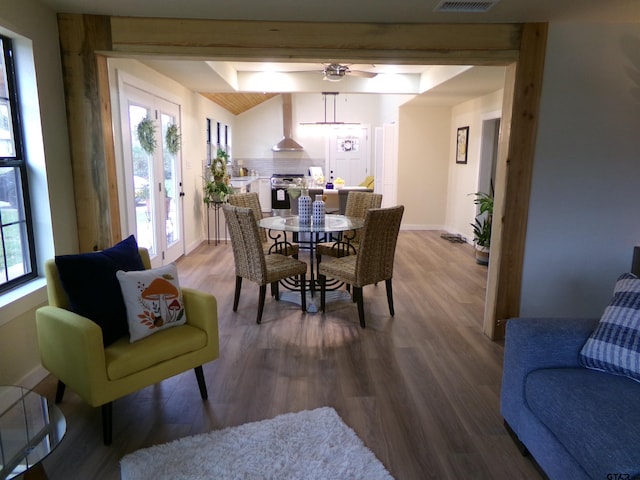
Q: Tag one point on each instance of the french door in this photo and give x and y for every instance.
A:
(153, 184)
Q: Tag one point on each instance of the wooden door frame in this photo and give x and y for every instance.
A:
(88, 40)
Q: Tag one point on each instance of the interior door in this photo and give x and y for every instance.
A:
(349, 154)
(152, 174)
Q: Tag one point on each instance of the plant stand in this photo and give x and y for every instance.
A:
(216, 220)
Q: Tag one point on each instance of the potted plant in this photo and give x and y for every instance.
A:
(482, 226)
(217, 187)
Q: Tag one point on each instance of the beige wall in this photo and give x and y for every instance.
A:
(423, 155)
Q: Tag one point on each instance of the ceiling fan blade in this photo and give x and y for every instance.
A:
(360, 73)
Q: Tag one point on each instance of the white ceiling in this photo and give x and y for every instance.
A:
(433, 84)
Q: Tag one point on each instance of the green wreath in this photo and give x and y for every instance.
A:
(146, 130)
(172, 139)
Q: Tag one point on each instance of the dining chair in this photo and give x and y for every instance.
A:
(373, 262)
(252, 200)
(252, 263)
(358, 204)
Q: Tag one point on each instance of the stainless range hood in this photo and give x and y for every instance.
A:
(287, 144)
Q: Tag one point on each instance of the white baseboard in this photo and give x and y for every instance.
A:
(420, 227)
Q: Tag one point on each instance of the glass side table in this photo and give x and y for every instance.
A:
(30, 429)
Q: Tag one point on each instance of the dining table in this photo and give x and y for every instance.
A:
(307, 234)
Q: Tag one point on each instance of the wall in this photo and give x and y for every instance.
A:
(423, 159)
(584, 216)
(195, 109)
(463, 178)
(34, 28)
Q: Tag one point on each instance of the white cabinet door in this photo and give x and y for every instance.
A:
(264, 192)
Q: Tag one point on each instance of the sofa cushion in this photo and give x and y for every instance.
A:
(89, 280)
(614, 346)
(153, 300)
(595, 415)
(124, 358)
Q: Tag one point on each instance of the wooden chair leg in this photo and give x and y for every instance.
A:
(201, 383)
(390, 297)
(60, 391)
(357, 293)
(107, 422)
(303, 293)
(236, 297)
(323, 291)
(263, 294)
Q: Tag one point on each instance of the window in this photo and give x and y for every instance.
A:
(17, 258)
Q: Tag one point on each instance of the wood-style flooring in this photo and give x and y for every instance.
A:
(420, 389)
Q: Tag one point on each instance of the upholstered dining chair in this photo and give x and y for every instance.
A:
(358, 204)
(252, 263)
(252, 200)
(101, 366)
(373, 262)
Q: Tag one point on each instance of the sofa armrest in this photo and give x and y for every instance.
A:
(535, 343)
(71, 348)
(202, 312)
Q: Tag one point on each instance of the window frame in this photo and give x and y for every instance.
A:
(18, 161)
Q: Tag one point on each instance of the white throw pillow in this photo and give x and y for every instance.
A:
(153, 300)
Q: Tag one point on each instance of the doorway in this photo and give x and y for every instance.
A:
(348, 154)
(152, 173)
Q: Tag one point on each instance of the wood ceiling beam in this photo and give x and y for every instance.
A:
(469, 44)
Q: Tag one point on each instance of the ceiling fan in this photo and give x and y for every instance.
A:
(334, 72)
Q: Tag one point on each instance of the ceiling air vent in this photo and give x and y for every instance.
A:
(451, 6)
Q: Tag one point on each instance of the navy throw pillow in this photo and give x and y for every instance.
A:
(90, 282)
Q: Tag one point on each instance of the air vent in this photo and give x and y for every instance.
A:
(450, 6)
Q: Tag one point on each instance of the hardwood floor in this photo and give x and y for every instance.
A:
(420, 389)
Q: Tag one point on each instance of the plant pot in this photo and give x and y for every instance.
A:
(482, 255)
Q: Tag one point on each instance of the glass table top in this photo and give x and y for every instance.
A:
(332, 223)
(30, 429)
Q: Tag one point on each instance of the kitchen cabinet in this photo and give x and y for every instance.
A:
(264, 192)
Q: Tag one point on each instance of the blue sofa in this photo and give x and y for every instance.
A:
(577, 423)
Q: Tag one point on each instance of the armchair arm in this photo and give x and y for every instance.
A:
(535, 343)
(202, 312)
(71, 348)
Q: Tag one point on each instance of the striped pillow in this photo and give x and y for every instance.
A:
(614, 346)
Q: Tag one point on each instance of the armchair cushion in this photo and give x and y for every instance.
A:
(153, 300)
(89, 280)
(614, 346)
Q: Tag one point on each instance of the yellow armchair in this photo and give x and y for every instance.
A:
(71, 348)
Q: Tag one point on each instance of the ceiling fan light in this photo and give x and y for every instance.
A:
(332, 77)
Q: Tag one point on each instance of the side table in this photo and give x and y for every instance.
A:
(30, 429)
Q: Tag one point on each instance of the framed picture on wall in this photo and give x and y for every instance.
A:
(461, 144)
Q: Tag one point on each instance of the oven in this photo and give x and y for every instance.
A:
(280, 201)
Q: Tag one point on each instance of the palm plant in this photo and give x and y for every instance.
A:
(483, 220)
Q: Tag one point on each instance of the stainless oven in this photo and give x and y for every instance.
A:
(280, 201)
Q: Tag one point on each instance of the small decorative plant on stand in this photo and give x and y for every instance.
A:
(217, 187)
(482, 226)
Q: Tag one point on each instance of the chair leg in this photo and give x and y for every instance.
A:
(275, 289)
(357, 293)
(390, 297)
(263, 294)
(201, 383)
(323, 291)
(60, 391)
(107, 422)
(303, 293)
(236, 297)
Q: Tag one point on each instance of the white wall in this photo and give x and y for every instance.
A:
(584, 216)
(195, 109)
(463, 178)
(35, 32)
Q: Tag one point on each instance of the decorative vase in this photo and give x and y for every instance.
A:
(304, 207)
(318, 210)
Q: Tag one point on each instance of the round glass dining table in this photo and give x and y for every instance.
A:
(309, 234)
(30, 429)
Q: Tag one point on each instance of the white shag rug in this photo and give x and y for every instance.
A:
(308, 445)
